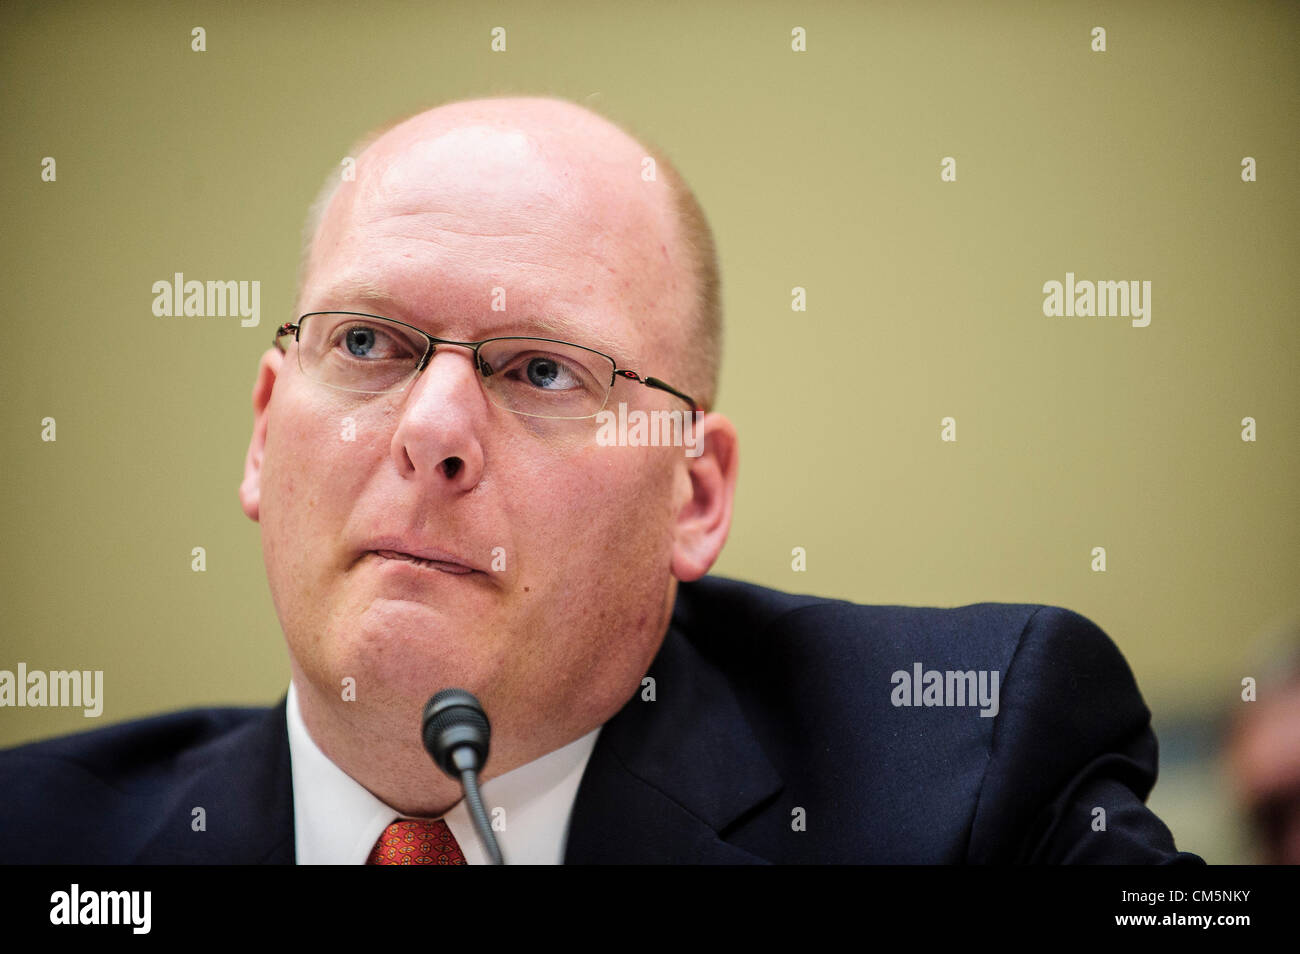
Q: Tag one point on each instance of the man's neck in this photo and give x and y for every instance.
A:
(385, 754)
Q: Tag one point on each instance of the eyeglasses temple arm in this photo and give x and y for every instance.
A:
(661, 385)
(287, 328)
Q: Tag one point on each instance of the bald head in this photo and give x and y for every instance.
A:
(543, 172)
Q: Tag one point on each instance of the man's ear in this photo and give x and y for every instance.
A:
(703, 506)
(250, 490)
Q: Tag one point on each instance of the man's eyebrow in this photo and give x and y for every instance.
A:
(361, 294)
(354, 291)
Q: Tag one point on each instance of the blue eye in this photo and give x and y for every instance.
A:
(360, 341)
(547, 372)
(368, 342)
(543, 378)
(543, 372)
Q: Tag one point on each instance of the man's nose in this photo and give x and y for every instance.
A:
(442, 417)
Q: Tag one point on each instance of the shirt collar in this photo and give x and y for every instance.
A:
(337, 821)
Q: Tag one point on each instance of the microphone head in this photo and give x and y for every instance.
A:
(456, 731)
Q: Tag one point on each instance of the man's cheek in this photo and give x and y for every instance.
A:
(320, 450)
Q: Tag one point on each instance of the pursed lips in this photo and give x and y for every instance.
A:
(444, 565)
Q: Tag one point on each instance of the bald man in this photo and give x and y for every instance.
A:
(441, 504)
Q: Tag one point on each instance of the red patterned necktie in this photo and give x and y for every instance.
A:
(410, 841)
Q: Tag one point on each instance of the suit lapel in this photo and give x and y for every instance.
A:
(667, 777)
(244, 785)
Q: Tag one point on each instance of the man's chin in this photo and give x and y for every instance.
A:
(414, 620)
(406, 650)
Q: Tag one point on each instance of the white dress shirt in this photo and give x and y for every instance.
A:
(337, 821)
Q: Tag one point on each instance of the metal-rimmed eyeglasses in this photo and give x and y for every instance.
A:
(536, 377)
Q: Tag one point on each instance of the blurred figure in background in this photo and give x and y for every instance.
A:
(1262, 751)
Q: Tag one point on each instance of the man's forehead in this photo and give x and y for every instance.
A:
(509, 156)
(546, 190)
(477, 177)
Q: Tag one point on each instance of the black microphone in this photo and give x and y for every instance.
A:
(456, 733)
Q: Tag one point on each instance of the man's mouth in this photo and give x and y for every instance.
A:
(431, 564)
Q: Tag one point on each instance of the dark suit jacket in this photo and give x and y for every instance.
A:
(773, 736)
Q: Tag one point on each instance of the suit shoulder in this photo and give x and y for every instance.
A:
(131, 748)
(727, 616)
(105, 789)
(986, 732)
(129, 792)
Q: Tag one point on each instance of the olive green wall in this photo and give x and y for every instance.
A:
(819, 169)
